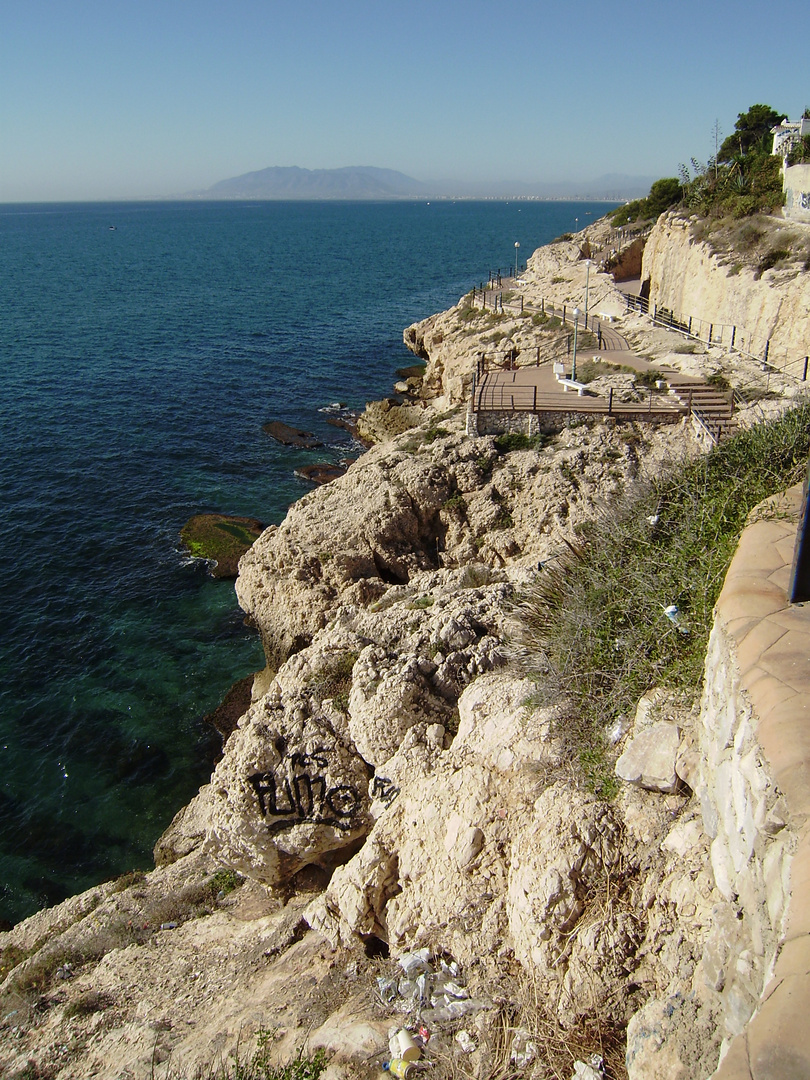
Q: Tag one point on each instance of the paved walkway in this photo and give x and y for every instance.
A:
(536, 389)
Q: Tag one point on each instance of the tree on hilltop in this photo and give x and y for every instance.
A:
(664, 193)
(751, 134)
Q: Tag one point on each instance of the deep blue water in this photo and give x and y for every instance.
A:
(137, 365)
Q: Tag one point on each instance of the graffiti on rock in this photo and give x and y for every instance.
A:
(384, 789)
(301, 793)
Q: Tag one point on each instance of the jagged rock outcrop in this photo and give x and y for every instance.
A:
(430, 498)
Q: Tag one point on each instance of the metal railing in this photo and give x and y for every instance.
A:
(503, 397)
(735, 338)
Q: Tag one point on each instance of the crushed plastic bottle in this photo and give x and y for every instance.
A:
(590, 1070)
(387, 989)
(672, 612)
(466, 1042)
(523, 1050)
(455, 1010)
(415, 990)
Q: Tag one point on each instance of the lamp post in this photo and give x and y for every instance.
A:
(587, 280)
(575, 313)
(517, 245)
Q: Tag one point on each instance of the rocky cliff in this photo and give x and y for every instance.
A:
(391, 787)
(752, 277)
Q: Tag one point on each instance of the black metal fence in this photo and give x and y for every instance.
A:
(735, 338)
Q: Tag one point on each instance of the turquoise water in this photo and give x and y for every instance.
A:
(142, 346)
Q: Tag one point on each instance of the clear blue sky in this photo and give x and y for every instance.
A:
(127, 98)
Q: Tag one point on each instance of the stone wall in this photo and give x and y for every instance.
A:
(506, 421)
(745, 816)
(755, 796)
(797, 192)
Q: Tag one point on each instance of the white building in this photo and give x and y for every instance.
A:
(795, 178)
(787, 134)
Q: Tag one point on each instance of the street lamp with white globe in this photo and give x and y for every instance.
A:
(517, 245)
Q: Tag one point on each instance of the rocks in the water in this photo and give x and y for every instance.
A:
(413, 371)
(384, 419)
(290, 436)
(236, 702)
(222, 539)
(323, 471)
(346, 423)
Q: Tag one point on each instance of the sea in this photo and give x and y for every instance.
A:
(142, 348)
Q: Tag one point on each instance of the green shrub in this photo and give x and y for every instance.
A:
(258, 1065)
(651, 376)
(91, 1001)
(594, 626)
(771, 258)
(126, 881)
(225, 881)
(718, 380)
(516, 440)
(421, 603)
(335, 680)
(433, 433)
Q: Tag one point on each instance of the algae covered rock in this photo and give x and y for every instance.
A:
(221, 539)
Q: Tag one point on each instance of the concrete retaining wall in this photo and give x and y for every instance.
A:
(755, 796)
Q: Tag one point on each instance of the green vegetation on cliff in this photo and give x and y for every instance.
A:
(596, 625)
(743, 179)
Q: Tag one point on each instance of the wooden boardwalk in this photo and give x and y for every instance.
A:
(537, 390)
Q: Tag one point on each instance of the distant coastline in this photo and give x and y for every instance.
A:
(370, 183)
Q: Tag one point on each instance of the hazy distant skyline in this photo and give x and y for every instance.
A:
(118, 99)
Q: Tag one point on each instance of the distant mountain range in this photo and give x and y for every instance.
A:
(367, 182)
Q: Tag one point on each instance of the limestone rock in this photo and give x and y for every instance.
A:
(288, 792)
(671, 1039)
(689, 278)
(389, 695)
(561, 859)
(186, 832)
(436, 847)
(462, 841)
(684, 837)
(649, 759)
(348, 1034)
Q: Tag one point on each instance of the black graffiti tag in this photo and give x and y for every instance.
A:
(303, 795)
(383, 789)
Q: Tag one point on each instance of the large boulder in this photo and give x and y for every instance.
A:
(288, 792)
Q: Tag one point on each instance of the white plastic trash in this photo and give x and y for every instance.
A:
(591, 1070)
(673, 614)
(415, 963)
(466, 1042)
(406, 1047)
